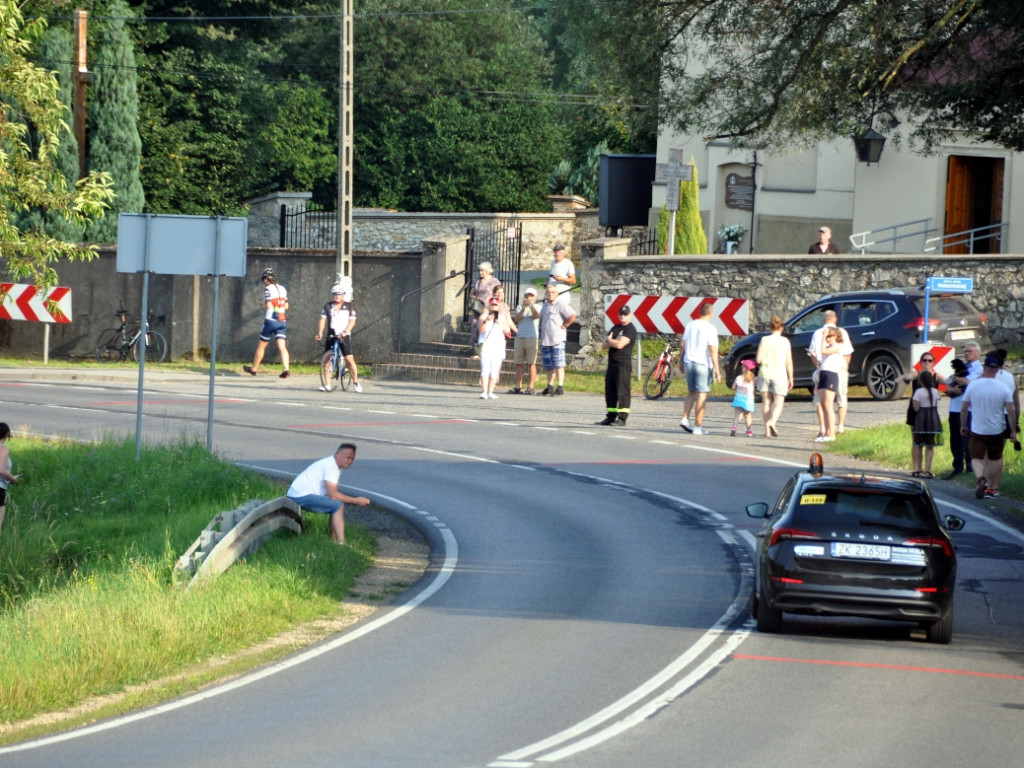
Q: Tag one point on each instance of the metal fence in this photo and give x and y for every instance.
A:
(502, 245)
(308, 227)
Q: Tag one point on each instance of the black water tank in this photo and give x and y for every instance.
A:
(625, 190)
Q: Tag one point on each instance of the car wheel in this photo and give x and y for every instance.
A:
(882, 378)
(768, 619)
(941, 631)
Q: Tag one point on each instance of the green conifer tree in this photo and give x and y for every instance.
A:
(690, 236)
(114, 144)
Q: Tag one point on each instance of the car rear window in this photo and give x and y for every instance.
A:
(817, 505)
(947, 306)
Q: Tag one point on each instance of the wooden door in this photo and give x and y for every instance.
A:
(959, 187)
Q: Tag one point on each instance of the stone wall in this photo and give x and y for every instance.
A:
(784, 284)
(382, 231)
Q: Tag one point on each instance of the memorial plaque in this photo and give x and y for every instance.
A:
(739, 192)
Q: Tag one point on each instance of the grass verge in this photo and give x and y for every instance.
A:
(89, 604)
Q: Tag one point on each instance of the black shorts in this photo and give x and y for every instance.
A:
(828, 380)
(3, 497)
(345, 342)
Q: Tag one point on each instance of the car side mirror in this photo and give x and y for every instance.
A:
(953, 523)
(760, 509)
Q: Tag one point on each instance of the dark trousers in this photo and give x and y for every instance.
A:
(959, 446)
(617, 380)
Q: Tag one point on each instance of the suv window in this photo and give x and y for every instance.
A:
(812, 321)
(947, 306)
(857, 313)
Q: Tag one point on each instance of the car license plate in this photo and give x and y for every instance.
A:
(860, 551)
(961, 335)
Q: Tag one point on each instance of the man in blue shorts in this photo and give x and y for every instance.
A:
(555, 318)
(316, 489)
(699, 361)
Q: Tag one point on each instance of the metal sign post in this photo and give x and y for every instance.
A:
(942, 285)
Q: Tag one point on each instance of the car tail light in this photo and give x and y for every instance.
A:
(781, 534)
(983, 317)
(931, 541)
(786, 580)
(918, 324)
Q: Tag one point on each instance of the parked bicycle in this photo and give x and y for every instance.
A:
(333, 371)
(659, 377)
(114, 344)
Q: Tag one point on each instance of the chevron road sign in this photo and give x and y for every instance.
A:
(670, 314)
(25, 302)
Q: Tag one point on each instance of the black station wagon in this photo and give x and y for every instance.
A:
(847, 543)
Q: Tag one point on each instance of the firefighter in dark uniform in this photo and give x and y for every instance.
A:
(617, 380)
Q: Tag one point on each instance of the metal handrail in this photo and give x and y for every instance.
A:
(863, 245)
(401, 301)
(968, 237)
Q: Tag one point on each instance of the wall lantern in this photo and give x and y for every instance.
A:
(869, 146)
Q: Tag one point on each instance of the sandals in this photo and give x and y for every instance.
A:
(923, 474)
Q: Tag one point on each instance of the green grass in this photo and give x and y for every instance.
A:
(89, 603)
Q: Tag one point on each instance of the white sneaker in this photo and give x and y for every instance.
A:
(685, 424)
(483, 395)
(824, 439)
(357, 387)
(700, 431)
(492, 396)
(324, 389)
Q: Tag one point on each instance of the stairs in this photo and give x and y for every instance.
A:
(449, 362)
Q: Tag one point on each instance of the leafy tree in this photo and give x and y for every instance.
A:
(760, 72)
(452, 111)
(32, 118)
(114, 145)
(54, 53)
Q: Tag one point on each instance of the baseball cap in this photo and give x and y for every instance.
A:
(624, 309)
(559, 247)
(749, 364)
(991, 361)
(531, 291)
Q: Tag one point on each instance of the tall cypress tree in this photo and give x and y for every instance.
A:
(693, 239)
(114, 144)
(55, 54)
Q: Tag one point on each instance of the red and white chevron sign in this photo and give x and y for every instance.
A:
(25, 302)
(670, 314)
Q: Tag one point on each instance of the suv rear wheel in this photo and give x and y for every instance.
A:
(882, 378)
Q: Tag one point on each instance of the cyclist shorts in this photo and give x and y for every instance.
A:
(345, 343)
(273, 329)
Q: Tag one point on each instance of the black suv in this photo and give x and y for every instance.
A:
(847, 543)
(882, 326)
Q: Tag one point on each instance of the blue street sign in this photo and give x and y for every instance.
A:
(950, 284)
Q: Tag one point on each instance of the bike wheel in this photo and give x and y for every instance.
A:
(108, 346)
(344, 376)
(328, 377)
(156, 349)
(658, 379)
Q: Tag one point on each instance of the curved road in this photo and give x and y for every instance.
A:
(586, 606)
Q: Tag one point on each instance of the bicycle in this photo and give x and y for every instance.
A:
(333, 370)
(659, 377)
(114, 344)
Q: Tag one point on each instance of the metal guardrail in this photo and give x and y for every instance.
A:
(232, 535)
(859, 240)
(969, 237)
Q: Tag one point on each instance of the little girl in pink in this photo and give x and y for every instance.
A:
(743, 400)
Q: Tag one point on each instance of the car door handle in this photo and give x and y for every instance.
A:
(868, 333)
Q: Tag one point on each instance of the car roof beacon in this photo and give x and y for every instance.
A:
(816, 466)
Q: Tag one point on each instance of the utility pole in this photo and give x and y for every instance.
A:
(345, 143)
(80, 77)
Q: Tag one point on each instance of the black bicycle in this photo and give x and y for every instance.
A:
(114, 344)
(333, 371)
(660, 376)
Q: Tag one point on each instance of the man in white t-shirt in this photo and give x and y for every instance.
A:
(524, 348)
(698, 359)
(562, 274)
(989, 409)
(316, 489)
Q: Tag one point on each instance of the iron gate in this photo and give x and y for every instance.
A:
(502, 245)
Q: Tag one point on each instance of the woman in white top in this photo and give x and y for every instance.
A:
(6, 478)
(775, 358)
(828, 380)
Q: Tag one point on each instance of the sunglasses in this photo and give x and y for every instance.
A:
(927, 360)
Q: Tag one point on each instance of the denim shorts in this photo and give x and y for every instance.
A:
(553, 357)
(272, 329)
(314, 502)
(698, 377)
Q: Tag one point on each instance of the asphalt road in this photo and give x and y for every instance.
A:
(586, 604)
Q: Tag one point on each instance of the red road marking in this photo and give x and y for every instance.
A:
(377, 423)
(895, 667)
(167, 402)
